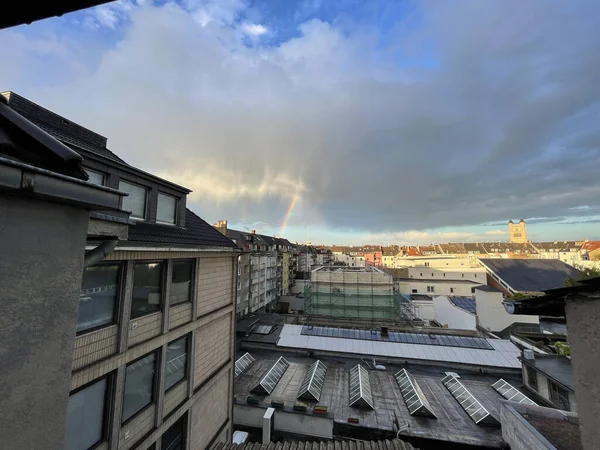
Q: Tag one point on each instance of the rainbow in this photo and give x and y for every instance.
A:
(288, 213)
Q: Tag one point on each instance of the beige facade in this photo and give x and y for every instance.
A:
(200, 401)
(517, 232)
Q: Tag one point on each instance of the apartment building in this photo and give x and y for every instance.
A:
(264, 270)
(153, 337)
(444, 281)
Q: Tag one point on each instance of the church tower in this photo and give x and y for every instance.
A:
(517, 232)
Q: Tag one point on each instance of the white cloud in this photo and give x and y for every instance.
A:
(254, 30)
(495, 233)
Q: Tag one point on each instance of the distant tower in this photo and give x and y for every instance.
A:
(517, 232)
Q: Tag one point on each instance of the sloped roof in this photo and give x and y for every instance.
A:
(395, 444)
(531, 275)
(196, 233)
(27, 12)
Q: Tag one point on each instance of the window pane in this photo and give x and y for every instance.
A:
(95, 177)
(139, 386)
(98, 296)
(85, 417)
(176, 362)
(135, 201)
(181, 281)
(165, 210)
(173, 438)
(146, 288)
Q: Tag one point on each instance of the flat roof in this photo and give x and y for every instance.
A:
(452, 424)
(346, 269)
(503, 355)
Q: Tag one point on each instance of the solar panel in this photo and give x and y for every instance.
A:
(243, 363)
(360, 387)
(270, 380)
(262, 329)
(311, 387)
(468, 402)
(413, 396)
(407, 338)
(511, 393)
(465, 303)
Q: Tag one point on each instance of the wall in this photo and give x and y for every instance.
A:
(457, 274)
(491, 314)
(285, 421)
(424, 309)
(439, 262)
(456, 288)
(582, 315)
(543, 390)
(448, 314)
(40, 274)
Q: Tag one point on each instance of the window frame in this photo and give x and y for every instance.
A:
(531, 374)
(175, 215)
(163, 281)
(187, 361)
(146, 190)
(154, 396)
(108, 405)
(184, 440)
(193, 284)
(551, 385)
(117, 311)
(97, 172)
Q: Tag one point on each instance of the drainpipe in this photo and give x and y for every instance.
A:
(99, 253)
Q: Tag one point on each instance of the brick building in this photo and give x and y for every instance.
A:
(153, 352)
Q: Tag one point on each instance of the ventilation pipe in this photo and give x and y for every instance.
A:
(99, 253)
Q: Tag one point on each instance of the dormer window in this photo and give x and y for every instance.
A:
(166, 208)
(135, 201)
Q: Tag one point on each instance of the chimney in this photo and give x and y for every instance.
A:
(221, 227)
(528, 354)
(267, 423)
(253, 231)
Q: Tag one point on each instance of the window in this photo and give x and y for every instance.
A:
(472, 290)
(181, 281)
(135, 201)
(531, 378)
(559, 396)
(95, 177)
(139, 385)
(414, 291)
(430, 288)
(85, 416)
(146, 288)
(166, 208)
(98, 296)
(475, 275)
(176, 362)
(452, 290)
(174, 437)
(426, 264)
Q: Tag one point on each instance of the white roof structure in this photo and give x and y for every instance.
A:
(504, 354)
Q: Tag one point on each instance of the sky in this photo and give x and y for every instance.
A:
(406, 122)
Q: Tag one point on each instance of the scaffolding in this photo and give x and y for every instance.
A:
(354, 292)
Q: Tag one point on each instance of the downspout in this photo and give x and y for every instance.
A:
(99, 253)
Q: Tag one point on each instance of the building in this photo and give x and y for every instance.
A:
(491, 315)
(569, 252)
(372, 384)
(350, 292)
(152, 334)
(444, 281)
(374, 259)
(513, 276)
(579, 305)
(517, 232)
(394, 444)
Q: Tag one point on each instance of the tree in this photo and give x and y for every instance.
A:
(587, 272)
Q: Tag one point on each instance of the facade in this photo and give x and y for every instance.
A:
(432, 281)
(491, 315)
(350, 292)
(517, 232)
(374, 259)
(152, 335)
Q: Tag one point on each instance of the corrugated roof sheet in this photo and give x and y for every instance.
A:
(395, 444)
(504, 354)
(196, 233)
(531, 275)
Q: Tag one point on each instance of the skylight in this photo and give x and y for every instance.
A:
(360, 387)
(270, 380)
(243, 363)
(311, 387)
(510, 393)
(412, 394)
(468, 402)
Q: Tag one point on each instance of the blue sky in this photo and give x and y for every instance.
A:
(390, 121)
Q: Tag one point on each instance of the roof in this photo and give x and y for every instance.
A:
(590, 246)
(395, 444)
(531, 275)
(196, 233)
(465, 303)
(23, 141)
(486, 288)
(556, 367)
(27, 12)
(452, 424)
(451, 248)
(556, 246)
(503, 354)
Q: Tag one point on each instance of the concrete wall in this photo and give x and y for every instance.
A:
(456, 288)
(457, 274)
(424, 309)
(40, 277)
(285, 421)
(519, 433)
(491, 313)
(582, 321)
(447, 313)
